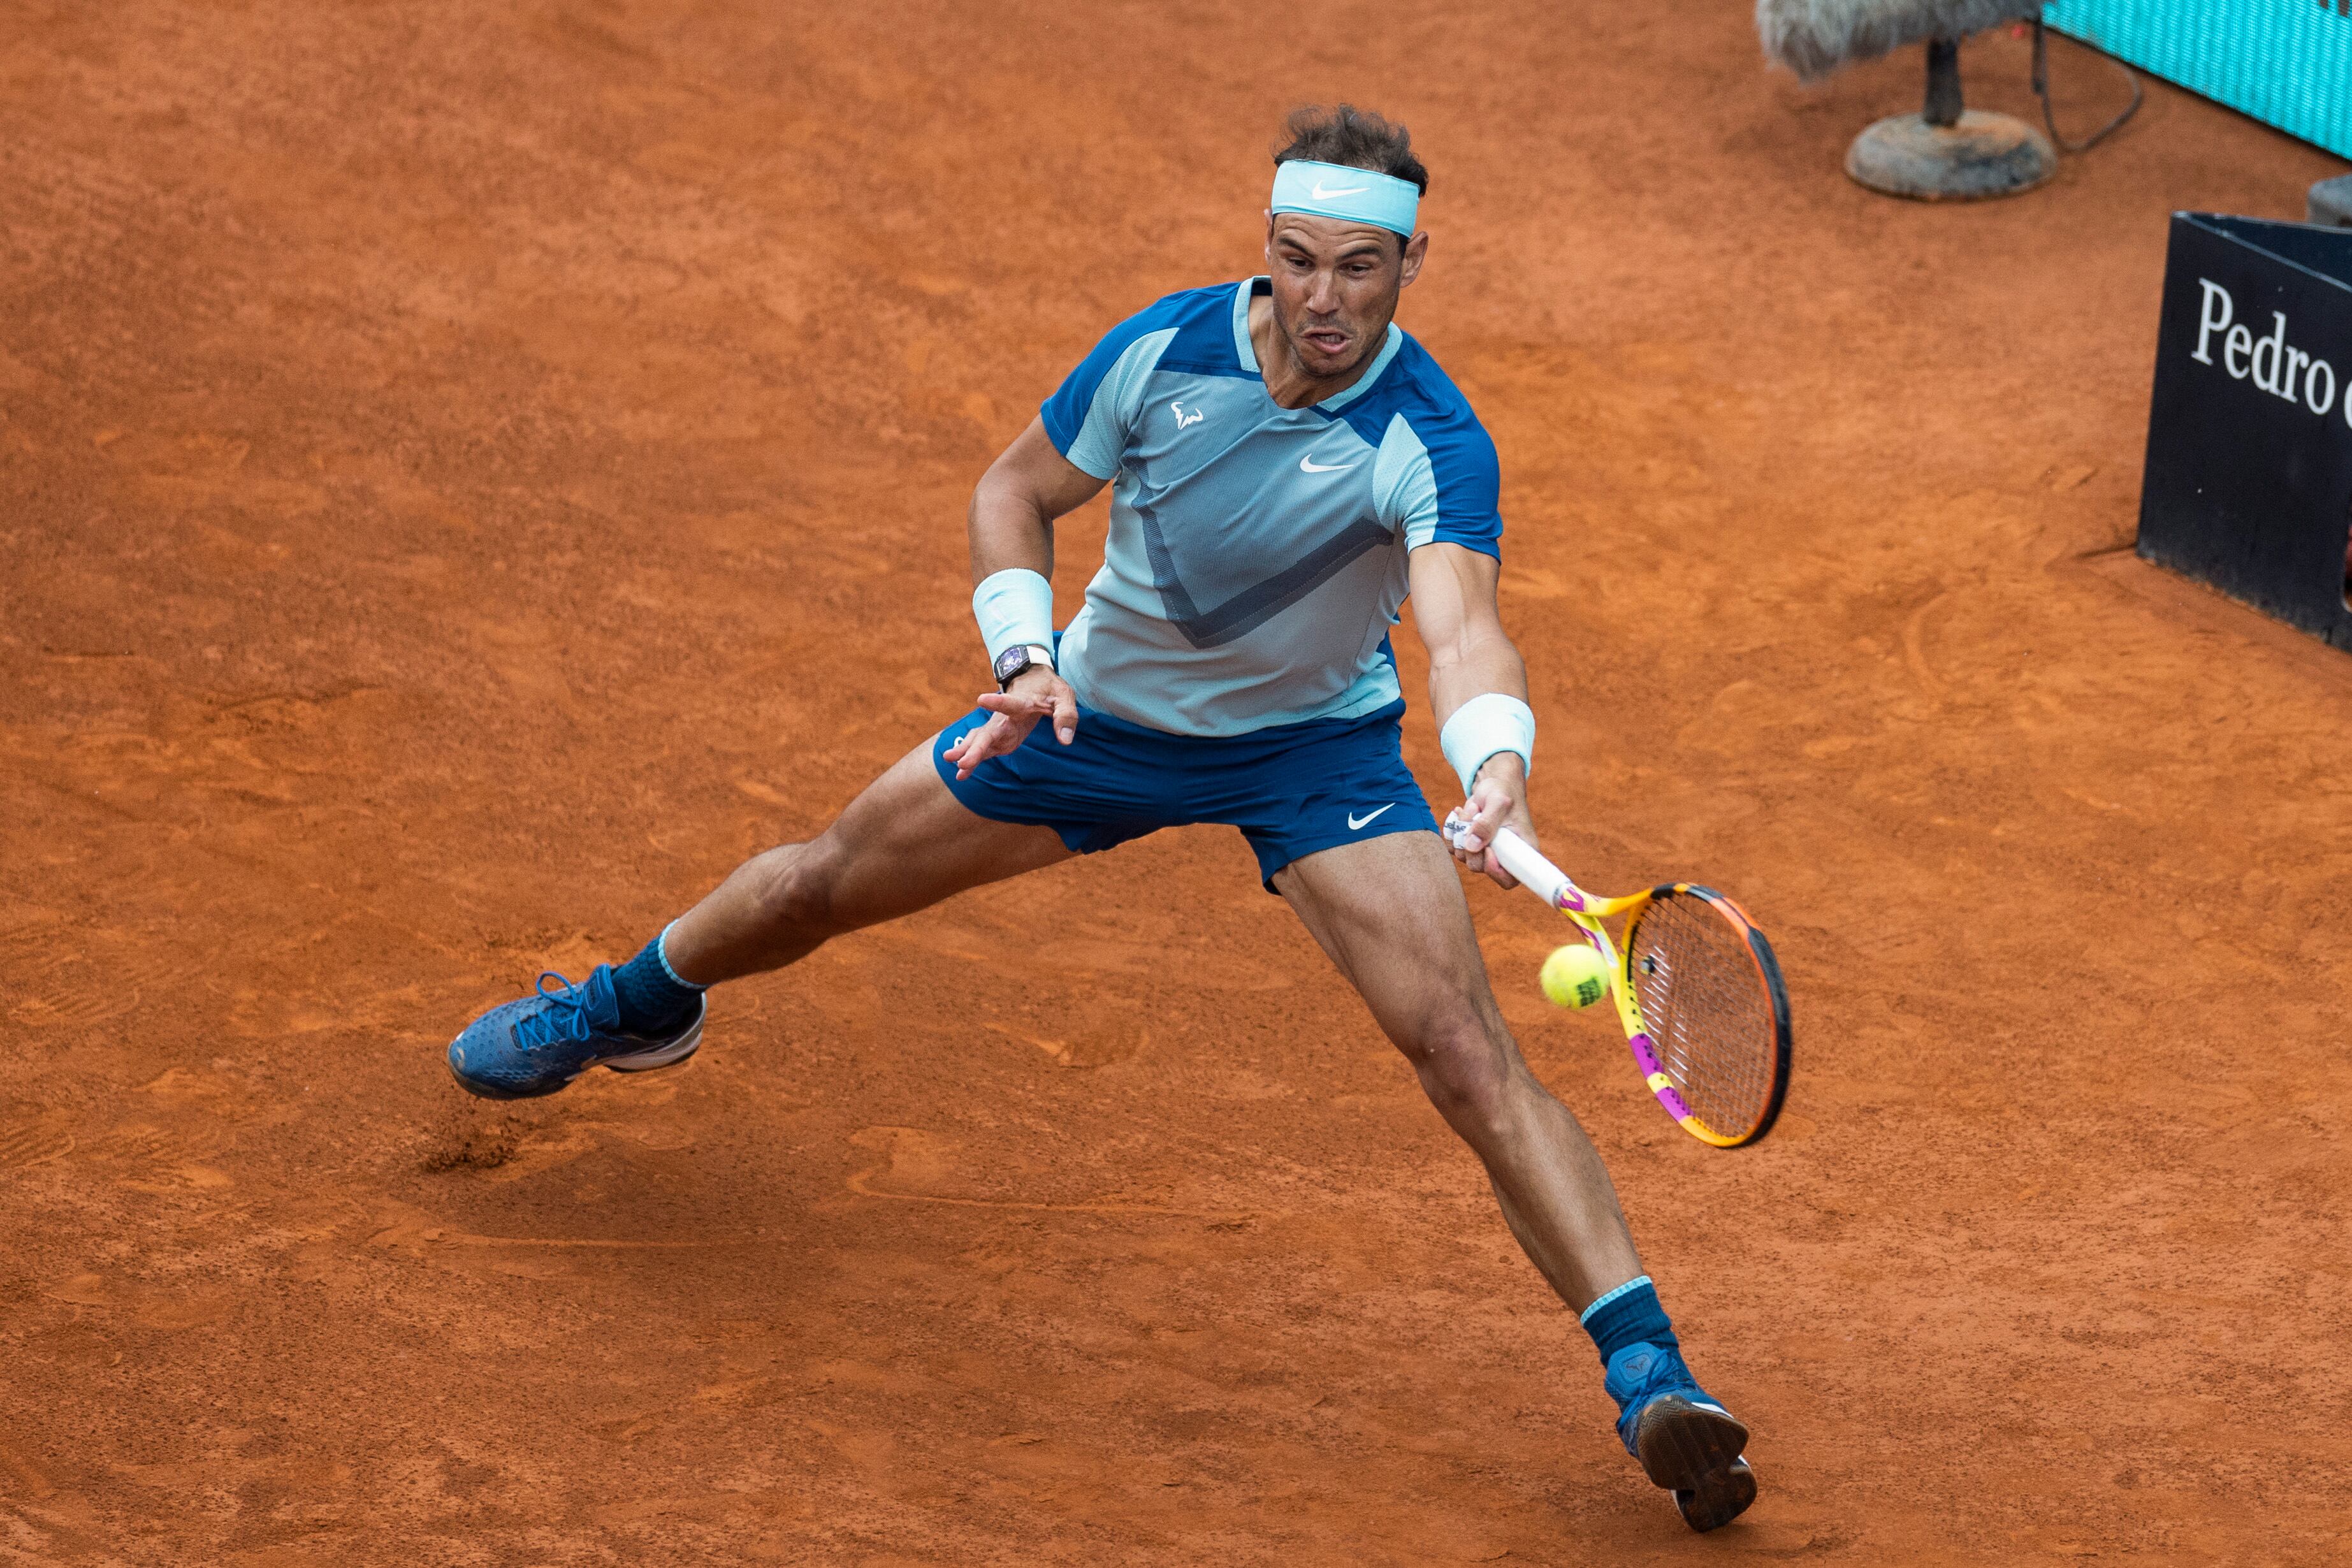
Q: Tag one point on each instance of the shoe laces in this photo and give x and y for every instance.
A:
(562, 1016)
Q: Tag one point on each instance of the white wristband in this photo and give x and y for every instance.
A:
(1013, 607)
(1487, 724)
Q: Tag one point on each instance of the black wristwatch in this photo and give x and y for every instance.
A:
(1019, 659)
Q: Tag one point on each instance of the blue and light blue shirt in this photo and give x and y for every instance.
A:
(1256, 554)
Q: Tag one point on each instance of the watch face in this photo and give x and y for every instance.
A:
(1009, 663)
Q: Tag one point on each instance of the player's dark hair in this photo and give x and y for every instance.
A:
(1355, 138)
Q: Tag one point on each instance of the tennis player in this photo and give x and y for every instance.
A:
(1287, 464)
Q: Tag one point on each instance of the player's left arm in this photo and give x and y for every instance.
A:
(1014, 509)
(1461, 623)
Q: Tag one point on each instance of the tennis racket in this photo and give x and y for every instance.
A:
(1698, 990)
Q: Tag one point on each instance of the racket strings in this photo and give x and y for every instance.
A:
(1709, 1015)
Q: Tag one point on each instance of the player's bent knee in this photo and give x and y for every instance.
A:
(1465, 1072)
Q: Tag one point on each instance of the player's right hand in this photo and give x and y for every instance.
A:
(1035, 693)
(1499, 799)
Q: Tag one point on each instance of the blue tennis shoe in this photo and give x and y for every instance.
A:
(1685, 1441)
(539, 1044)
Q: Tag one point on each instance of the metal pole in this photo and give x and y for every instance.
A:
(1943, 83)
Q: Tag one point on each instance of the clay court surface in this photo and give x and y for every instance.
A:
(470, 474)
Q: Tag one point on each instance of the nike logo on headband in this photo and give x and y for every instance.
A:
(1321, 194)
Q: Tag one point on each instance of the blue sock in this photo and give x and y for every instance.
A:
(653, 999)
(1628, 1315)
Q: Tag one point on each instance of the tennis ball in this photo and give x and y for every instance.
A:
(1575, 977)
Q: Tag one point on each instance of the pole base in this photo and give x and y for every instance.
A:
(1983, 155)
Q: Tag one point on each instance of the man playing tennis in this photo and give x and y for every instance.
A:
(1289, 465)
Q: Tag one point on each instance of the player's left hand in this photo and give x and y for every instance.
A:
(1499, 799)
(1035, 693)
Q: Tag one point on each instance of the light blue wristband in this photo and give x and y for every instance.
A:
(1014, 607)
(1487, 724)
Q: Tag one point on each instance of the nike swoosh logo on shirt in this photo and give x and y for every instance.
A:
(1356, 824)
(1321, 194)
(1309, 466)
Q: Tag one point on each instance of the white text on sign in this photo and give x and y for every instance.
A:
(2272, 363)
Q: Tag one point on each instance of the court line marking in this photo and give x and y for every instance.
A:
(862, 1185)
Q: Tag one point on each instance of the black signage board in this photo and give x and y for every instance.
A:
(2249, 479)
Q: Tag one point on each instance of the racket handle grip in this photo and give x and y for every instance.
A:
(1524, 861)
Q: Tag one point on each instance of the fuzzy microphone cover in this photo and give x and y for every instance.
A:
(1814, 37)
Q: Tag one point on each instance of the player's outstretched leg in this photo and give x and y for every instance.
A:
(903, 845)
(1390, 912)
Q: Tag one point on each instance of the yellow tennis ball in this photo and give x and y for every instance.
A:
(1575, 977)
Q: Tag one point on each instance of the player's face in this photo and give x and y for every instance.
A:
(1335, 287)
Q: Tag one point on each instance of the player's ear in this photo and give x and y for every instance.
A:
(1416, 251)
(1269, 239)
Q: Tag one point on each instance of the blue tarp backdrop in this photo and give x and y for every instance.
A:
(2288, 62)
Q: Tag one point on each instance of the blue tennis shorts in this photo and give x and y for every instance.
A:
(1292, 789)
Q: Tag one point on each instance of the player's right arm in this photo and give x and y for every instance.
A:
(1011, 528)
